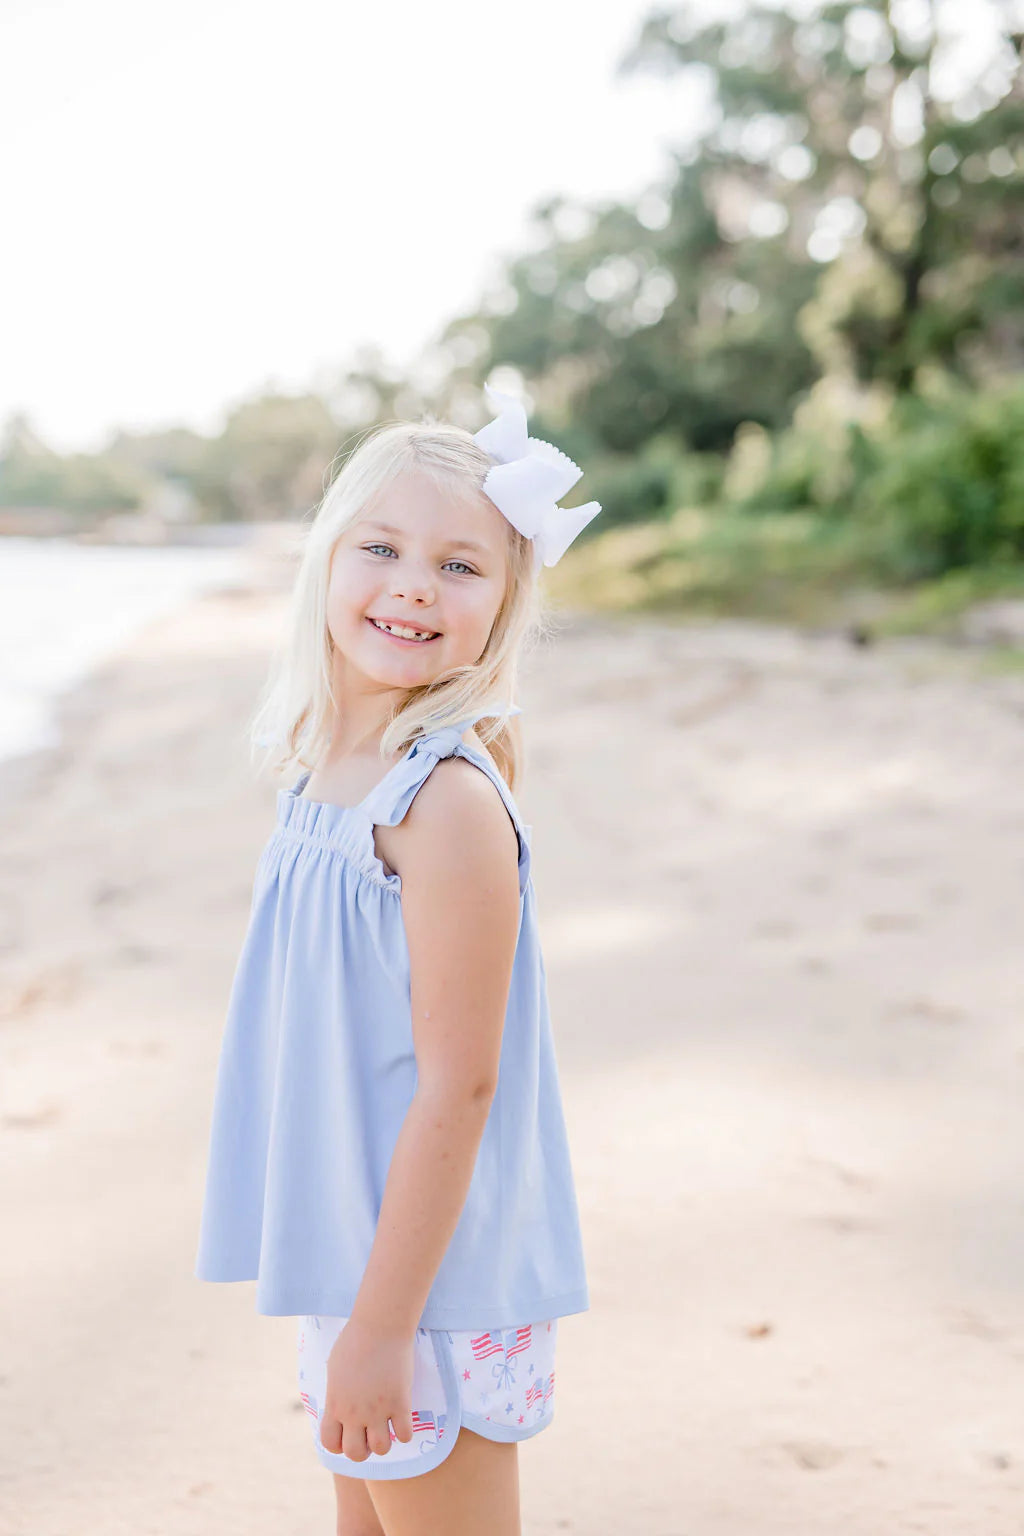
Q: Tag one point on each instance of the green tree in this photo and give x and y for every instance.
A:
(269, 461)
(856, 128)
(34, 475)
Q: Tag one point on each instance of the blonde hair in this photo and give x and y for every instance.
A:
(291, 726)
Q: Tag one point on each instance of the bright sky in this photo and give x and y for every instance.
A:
(210, 196)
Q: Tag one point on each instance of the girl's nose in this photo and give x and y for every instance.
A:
(411, 583)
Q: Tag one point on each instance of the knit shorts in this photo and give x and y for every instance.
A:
(500, 1384)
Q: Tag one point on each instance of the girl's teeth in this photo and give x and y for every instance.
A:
(403, 634)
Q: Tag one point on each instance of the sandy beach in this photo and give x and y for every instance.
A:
(779, 883)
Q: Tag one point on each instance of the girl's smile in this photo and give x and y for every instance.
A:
(405, 634)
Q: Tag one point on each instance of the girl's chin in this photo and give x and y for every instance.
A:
(397, 663)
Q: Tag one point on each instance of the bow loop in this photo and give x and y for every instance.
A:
(505, 437)
(527, 480)
(562, 526)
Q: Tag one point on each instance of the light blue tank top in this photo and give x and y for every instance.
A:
(317, 1071)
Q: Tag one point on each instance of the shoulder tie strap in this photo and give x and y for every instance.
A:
(388, 802)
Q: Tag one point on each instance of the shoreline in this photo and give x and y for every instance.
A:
(265, 555)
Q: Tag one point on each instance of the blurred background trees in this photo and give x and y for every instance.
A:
(796, 360)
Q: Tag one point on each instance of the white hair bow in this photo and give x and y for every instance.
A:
(528, 479)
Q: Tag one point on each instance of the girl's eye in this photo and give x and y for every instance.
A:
(465, 567)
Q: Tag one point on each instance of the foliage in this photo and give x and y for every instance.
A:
(944, 486)
(934, 482)
(270, 459)
(661, 477)
(844, 224)
(815, 462)
(847, 128)
(33, 475)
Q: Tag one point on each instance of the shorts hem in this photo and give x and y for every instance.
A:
(493, 1429)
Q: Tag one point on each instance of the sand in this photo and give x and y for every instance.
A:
(779, 884)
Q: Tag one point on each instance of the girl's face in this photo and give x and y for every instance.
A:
(418, 560)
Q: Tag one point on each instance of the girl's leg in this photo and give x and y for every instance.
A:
(356, 1514)
(474, 1492)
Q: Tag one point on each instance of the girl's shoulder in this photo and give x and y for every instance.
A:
(458, 821)
(455, 761)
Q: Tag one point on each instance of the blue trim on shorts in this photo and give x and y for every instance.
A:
(492, 1429)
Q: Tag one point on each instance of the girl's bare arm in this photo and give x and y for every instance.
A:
(458, 858)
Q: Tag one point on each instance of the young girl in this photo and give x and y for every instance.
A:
(388, 1155)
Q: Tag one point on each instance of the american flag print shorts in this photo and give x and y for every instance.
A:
(498, 1383)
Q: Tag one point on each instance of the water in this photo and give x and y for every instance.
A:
(65, 607)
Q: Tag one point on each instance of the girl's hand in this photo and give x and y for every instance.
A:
(369, 1380)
